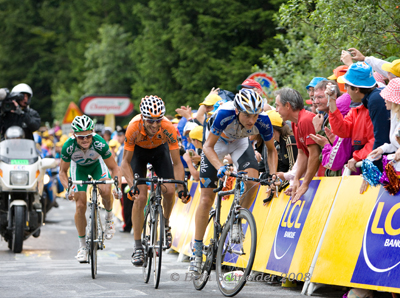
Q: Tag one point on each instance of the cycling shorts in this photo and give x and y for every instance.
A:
(159, 157)
(97, 170)
(242, 154)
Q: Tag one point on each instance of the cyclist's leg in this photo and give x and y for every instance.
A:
(243, 157)
(100, 172)
(208, 181)
(138, 163)
(80, 173)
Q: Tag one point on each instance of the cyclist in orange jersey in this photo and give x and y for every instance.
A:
(151, 138)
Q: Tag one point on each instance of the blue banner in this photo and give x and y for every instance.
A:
(379, 259)
(289, 230)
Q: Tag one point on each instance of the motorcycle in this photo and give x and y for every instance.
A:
(21, 187)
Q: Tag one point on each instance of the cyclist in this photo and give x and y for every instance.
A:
(87, 153)
(151, 138)
(227, 132)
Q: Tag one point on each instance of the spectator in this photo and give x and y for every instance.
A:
(285, 144)
(290, 105)
(191, 157)
(107, 134)
(338, 72)
(310, 91)
(391, 94)
(393, 69)
(361, 86)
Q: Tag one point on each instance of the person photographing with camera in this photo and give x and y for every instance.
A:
(15, 110)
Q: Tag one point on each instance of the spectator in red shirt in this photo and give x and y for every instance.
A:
(290, 105)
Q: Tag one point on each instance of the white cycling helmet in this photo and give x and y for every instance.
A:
(249, 101)
(152, 107)
(23, 88)
(82, 123)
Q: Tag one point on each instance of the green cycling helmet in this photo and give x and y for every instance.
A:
(82, 123)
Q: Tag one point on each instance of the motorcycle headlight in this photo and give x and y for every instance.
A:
(46, 179)
(19, 178)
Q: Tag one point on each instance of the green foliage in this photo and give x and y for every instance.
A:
(317, 31)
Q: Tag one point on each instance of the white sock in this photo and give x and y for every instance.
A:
(82, 241)
(109, 215)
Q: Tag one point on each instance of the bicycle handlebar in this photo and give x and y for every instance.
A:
(93, 182)
(158, 180)
(242, 176)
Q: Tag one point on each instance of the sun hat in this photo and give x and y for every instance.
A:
(249, 83)
(275, 117)
(217, 105)
(210, 100)
(359, 75)
(392, 91)
(315, 81)
(197, 133)
(393, 67)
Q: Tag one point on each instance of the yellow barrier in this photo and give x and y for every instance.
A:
(359, 249)
(362, 243)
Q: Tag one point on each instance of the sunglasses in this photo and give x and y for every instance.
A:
(151, 121)
(82, 137)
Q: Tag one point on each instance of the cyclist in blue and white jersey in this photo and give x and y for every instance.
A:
(227, 132)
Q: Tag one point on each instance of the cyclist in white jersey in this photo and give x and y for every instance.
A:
(227, 132)
(86, 153)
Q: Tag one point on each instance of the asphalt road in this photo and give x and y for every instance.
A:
(47, 268)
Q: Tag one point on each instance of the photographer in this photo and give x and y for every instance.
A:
(15, 110)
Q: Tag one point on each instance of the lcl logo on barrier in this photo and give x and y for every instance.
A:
(290, 229)
(379, 258)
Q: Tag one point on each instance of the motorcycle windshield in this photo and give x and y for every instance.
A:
(18, 152)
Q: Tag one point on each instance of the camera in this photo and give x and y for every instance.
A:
(6, 100)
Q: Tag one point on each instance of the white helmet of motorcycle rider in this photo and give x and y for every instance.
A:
(15, 132)
(24, 88)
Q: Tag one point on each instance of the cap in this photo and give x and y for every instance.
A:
(49, 144)
(393, 67)
(188, 127)
(45, 134)
(197, 133)
(59, 144)
(249, 83)
(58, 133)
(275, 118)
(392, 91)
(217, 105)
(359, 75)
(175, 121)
(210, 100)
(338, 72)
(315, 81)
(113, 143)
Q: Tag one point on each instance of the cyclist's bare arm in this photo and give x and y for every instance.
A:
(272, 156)
(209, 151)
(64, 166)
(126, 167)
(179, 171)
(114, 168)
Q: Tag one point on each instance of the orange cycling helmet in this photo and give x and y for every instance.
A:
(152, 107)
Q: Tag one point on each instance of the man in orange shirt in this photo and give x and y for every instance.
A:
(151, 138)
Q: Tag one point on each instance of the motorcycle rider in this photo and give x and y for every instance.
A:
(23, 115)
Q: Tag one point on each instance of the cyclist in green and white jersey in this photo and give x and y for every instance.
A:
(86, 153)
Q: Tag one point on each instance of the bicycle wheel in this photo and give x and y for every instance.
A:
(158, 240)
(208, 256)
(235, 255)
(93, 238)
(146, 245)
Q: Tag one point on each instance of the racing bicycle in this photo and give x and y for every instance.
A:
(95, 237)
(230, 252)
(153, 233)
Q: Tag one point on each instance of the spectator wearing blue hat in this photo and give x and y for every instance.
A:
(310, 90)
(361, 86)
